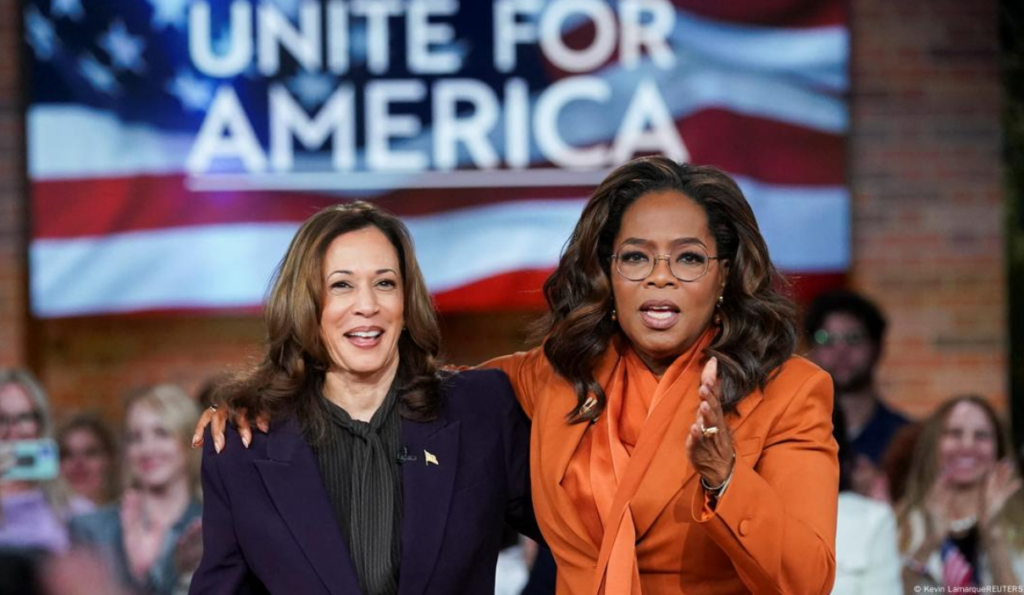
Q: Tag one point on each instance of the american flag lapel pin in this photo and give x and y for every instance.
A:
(429, 457)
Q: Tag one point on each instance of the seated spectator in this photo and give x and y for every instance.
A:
(898, 459)
(846, 333)
(961, 520)
(88, 458)
(867, 559)
(151, 538)
(32, 513)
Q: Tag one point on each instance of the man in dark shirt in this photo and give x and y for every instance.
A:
(846, 333)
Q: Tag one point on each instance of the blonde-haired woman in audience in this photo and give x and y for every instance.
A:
(33, 514)
(961, 519)
(151, 538)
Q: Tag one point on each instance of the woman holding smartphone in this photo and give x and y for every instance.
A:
(33, 512)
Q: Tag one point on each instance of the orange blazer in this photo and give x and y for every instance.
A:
(773, 531)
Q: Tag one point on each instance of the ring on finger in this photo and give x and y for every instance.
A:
(711, 431)
(213, 407)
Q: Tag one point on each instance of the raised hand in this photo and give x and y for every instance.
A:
(188, 551)
(938, 508)
(1000, 484)
(143, 539)
(709, 444)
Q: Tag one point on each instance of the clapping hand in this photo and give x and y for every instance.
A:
(1000, 484)
(709, 444)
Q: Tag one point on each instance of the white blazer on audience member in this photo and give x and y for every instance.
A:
(867, 557)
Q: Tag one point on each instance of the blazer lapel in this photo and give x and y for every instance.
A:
(571, 435)
(428, 482)
(556, 445)
(292, 478)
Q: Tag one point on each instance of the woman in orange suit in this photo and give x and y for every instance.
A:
(678, 445)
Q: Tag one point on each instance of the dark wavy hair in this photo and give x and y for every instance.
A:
(289, 376)
(758, 329)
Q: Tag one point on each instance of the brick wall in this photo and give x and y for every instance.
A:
(926, 176)
(927, 211)
(13, 323)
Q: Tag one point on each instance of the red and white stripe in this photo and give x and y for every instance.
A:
(118, 227)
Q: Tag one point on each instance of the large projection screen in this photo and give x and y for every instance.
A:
(174, 145)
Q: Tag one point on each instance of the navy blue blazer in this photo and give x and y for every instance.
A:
(268, 526)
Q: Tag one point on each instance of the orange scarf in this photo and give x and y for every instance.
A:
(612, 459)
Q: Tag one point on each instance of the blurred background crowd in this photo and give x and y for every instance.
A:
(915, 318)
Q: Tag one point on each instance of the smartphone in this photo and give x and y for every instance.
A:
(33, 460)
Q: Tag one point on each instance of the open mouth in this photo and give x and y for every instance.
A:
(659, 315)
(365, 338)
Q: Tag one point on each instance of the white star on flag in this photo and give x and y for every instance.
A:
(169, 13)
(71, 9)
(98, 75)
(125, 50)
(311, 88)
(194, 93)
(39, 34)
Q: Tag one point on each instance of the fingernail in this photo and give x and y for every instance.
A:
(195, 439)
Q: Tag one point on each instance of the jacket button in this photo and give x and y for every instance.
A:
(744, 527)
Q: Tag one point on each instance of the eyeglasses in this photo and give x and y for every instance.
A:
(686, 263)
(850, 338)
(19, 419)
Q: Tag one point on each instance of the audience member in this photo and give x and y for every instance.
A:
(88, 458)
(846, 334)
(33, 514)
(898, 459)
(867, 559)
(151, 538)
(961, 521)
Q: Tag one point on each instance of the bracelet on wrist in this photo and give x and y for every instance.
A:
(715, 492)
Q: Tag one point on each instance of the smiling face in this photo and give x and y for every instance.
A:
(968, 446)
(661, 315)
(363, 303)
(157, 456)
(85, 464)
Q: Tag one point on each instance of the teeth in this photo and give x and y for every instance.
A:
(365, 334)
(660, 314)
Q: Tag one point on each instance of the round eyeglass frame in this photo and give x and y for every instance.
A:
(668, 259)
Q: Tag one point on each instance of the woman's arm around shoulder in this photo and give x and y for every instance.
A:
(528, 371)
(777, 520)
(504, 417)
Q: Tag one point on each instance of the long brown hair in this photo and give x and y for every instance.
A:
(296, 359)
(758, 331)
(925, 467)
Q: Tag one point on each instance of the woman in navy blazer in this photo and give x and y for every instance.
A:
(361, 421)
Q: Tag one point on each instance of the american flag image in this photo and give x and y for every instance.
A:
(132, 213)
(956, 569)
